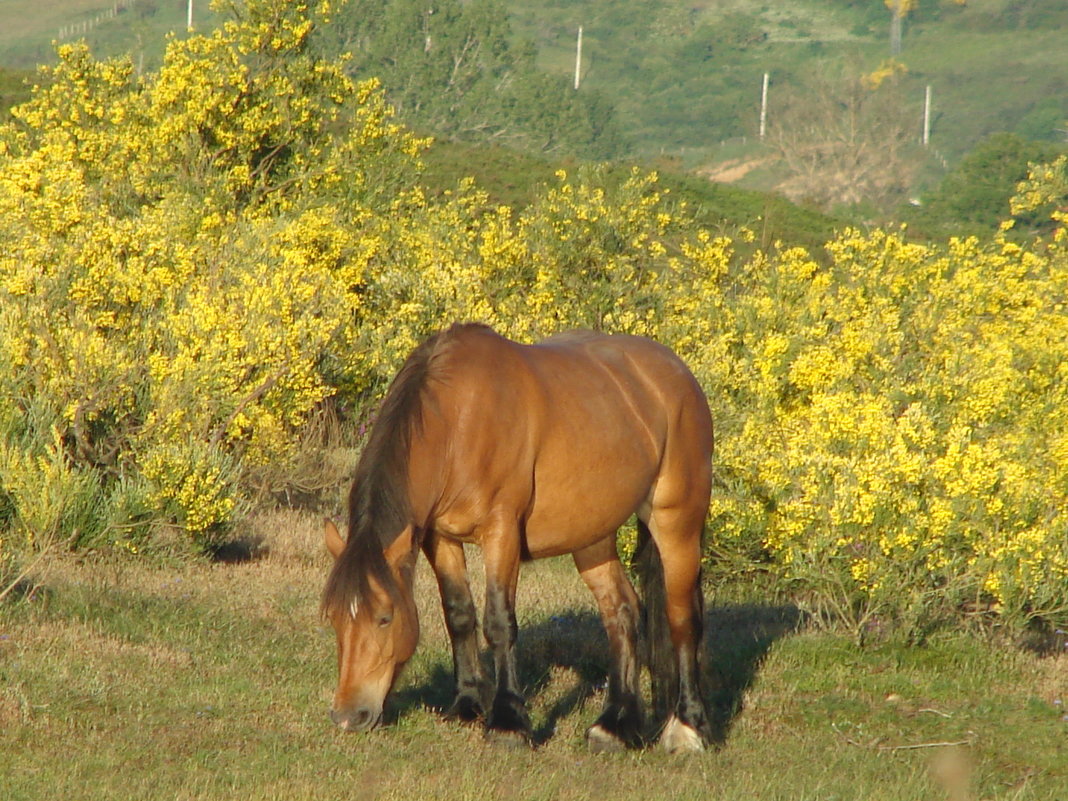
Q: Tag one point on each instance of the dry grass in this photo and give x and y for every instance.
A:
(200, 680)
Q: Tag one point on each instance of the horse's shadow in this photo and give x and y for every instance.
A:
(737, 640)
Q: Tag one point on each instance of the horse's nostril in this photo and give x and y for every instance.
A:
(355, 720)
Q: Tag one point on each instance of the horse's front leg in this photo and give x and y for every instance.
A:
(508, 718)
(450, 568)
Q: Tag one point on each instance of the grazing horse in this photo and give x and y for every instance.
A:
(528, 451)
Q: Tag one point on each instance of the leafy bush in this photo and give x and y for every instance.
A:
(13, 88)
(974, 197)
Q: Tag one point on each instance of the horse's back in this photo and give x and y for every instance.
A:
(584, 380)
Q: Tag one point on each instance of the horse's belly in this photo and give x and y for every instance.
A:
(582, 508)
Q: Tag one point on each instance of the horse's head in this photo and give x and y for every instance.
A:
(375, 637)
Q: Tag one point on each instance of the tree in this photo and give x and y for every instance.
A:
(451, 68)
(899, 10)
(846, 139)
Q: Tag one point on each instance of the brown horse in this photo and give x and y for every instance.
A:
(527, 451)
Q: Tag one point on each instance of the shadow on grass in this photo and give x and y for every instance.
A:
(239, 550)
(737, 640)
(22, 590)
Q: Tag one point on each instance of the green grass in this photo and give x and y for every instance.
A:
(192, 680)
(139, 29)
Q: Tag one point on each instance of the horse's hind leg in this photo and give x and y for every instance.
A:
(677, 534)
(450, 568)
(620, 722)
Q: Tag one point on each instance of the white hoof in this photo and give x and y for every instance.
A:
(678, 738)
(602, 741)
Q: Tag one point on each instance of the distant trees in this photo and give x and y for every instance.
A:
(845, 139)
(451, 68)
(975, 194)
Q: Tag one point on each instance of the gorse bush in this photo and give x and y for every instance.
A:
(178, 254)
(192, 262)
(902, 452)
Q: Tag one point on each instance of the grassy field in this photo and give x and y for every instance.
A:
(137, 28)
(209, 680)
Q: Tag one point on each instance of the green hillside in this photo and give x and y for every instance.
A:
(29, 30)
(515, 180)
(686, 80)
(685, 77)
(688, 75)
(667, 80)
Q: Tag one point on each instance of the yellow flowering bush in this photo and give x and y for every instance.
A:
(1046, 183)
(177, 253)
(583, 254)
(193, 261)
(895, 424)
(889, 420)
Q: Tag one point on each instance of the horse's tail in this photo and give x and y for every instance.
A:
(659, 654)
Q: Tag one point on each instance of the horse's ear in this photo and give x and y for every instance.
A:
(334, 543)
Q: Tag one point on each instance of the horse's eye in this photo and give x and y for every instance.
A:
(385, 619)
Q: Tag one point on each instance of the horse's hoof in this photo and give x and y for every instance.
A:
(509, 715)
(466, 710)
(511, 740)
(680, 738)
(601, 741)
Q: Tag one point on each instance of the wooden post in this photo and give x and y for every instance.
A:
(578, 59)
(927, 116)
(764, 107)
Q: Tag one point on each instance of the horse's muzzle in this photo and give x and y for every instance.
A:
(357, 720)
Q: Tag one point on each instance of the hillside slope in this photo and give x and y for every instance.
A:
(684, 79)
(688, 75)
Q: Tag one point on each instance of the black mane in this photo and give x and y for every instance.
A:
(379, 506)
